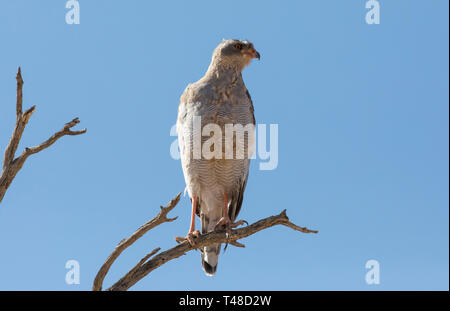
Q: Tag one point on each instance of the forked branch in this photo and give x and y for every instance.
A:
(159, 219)
(11, 165)
(146, 265)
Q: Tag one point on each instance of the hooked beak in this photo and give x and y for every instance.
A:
(253, 53)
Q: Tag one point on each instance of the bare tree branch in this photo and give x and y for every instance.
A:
(125, 243)
(145, 266)
(11, 165)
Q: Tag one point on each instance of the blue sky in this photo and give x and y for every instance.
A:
(362, 112)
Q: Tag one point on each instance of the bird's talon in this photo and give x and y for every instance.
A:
(227, 235)
(189, 237)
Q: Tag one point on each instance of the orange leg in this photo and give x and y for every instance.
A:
(192, 232)
(194, 206)
(225, 222)
(225, 207)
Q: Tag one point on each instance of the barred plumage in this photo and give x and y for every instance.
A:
(219, 98)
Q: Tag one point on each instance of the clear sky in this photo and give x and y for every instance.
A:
(362, 112)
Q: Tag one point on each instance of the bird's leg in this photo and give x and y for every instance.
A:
(225, 222)
(192, 232)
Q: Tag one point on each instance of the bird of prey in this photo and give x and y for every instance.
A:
(216, 184)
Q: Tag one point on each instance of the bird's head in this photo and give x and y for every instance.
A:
(235, 53)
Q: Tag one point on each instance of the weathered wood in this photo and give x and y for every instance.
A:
(145, 266)
(125, 243)
(11, 165)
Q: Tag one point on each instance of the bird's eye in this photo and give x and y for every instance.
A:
(238, 46)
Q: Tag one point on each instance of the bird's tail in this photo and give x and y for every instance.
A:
(210, 259)
(210, 254)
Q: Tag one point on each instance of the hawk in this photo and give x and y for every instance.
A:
(216, 184)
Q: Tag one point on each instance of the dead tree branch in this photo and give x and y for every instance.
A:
(145, 266)
(125, 243)
(11, 165)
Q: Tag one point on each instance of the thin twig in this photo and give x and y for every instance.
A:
(125, 243)
(12, 166)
